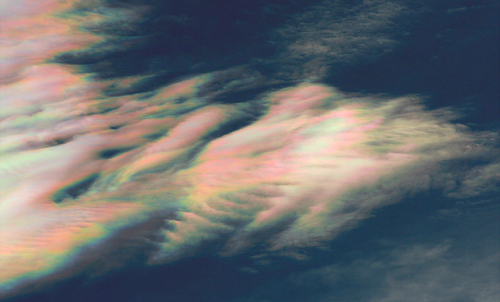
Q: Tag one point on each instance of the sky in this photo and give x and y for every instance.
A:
(249, 151)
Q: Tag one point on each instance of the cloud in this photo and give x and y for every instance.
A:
(410, 252)
(32, 34)
(407, 273)
(479, 180)
(314, 165)
(291, 168)
(335, 33)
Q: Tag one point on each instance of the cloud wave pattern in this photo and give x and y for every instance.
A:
(78, 165)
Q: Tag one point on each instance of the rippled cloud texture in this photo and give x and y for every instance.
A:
(288, 169)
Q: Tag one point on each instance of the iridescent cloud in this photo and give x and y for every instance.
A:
(78, 166)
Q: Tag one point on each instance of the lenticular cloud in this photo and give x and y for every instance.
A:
(287, 170)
